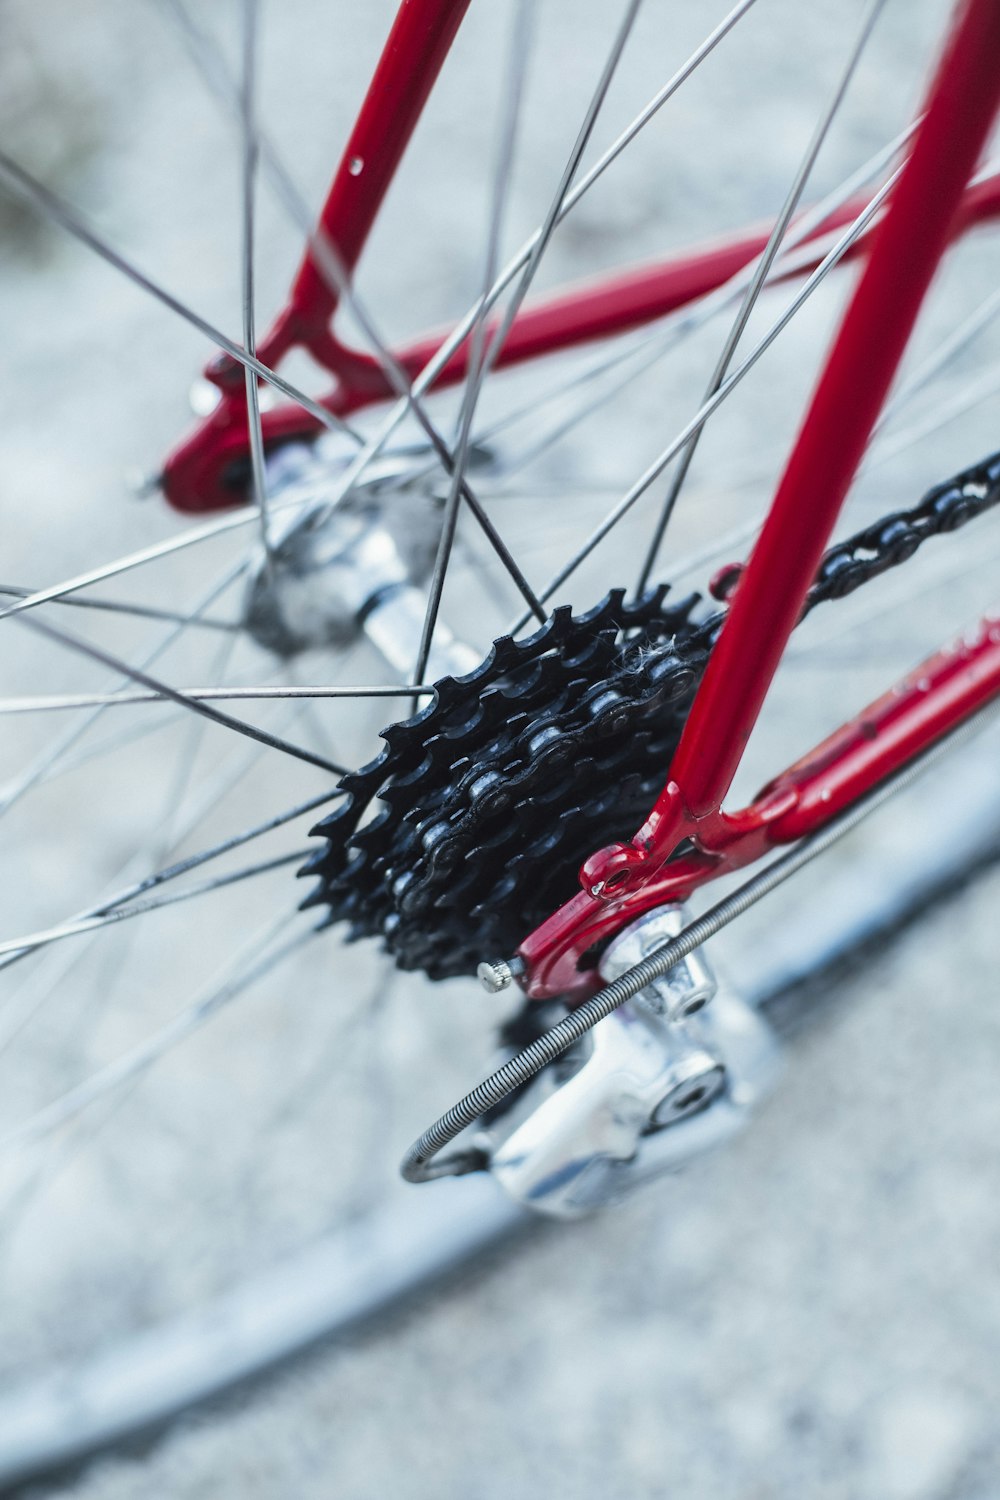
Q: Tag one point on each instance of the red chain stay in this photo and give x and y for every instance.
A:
(622, 881)
(676, 850)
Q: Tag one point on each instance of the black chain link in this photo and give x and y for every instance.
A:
(469, 827)
(895, 538)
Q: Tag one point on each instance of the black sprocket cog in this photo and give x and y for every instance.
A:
(469, 828)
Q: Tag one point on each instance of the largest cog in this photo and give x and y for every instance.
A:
(468, 829)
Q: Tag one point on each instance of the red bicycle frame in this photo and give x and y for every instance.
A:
(931, 204)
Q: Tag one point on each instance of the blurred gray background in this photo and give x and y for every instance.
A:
(814, 1312)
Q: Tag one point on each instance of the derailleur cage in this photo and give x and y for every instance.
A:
(670, 1073)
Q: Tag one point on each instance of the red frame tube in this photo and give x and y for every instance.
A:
(208, 470)
(406, 72)
(931, 204)
(904, 255)
(626, 879)
(906, 720)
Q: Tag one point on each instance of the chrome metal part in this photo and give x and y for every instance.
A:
(334, 572)
(425, 1160)
(495, 976)
(682, 990)
(642, 1092)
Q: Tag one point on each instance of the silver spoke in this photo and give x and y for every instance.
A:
(46, 703)
(54, 754)
(15, 1011)
(193, 861)
(755, 286)
(700, 417)
(733, 544)
(882, 449)
(105, 1055)
(24, 185)
(333, 271)
(232, 521)
(177, 788)
(480, 361)
(240, 726)
(558, 203)
(110, 908)
(261, 957)
(116, 740)
(32, 941)
(248, 112)
(640, 353)
(460, 332)
(963, 400)
(18, 1011)
(136, 611)
(651, 347)
(945, 352)
(522, 20)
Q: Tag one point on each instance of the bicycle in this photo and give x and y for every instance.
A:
(544, 756)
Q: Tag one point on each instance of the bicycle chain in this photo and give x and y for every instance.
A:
(468, 828)
(896, 537)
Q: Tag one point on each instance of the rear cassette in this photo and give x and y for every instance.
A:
(470, 826)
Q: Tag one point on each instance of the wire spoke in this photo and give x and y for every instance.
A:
(213, 793)
(177, 787)
(53, 207)
(734, 542)
(41, 703)
(248, 112)
(427, 376)
(482, 361)
(32, 941)
(247, 514)
(154, 553)
(259, 958)
(264, 736)
(640, 353)
(970, 395)
(552, 217)
(461, 331)
(234, 841)
(833, 256)
(116, 740)
(523, 18)
(138, 611)
(945, 352)
(756, 285)
(54, 754)
(114, 906)
(332, 269)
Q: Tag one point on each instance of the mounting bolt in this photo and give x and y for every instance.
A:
(498, 975)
